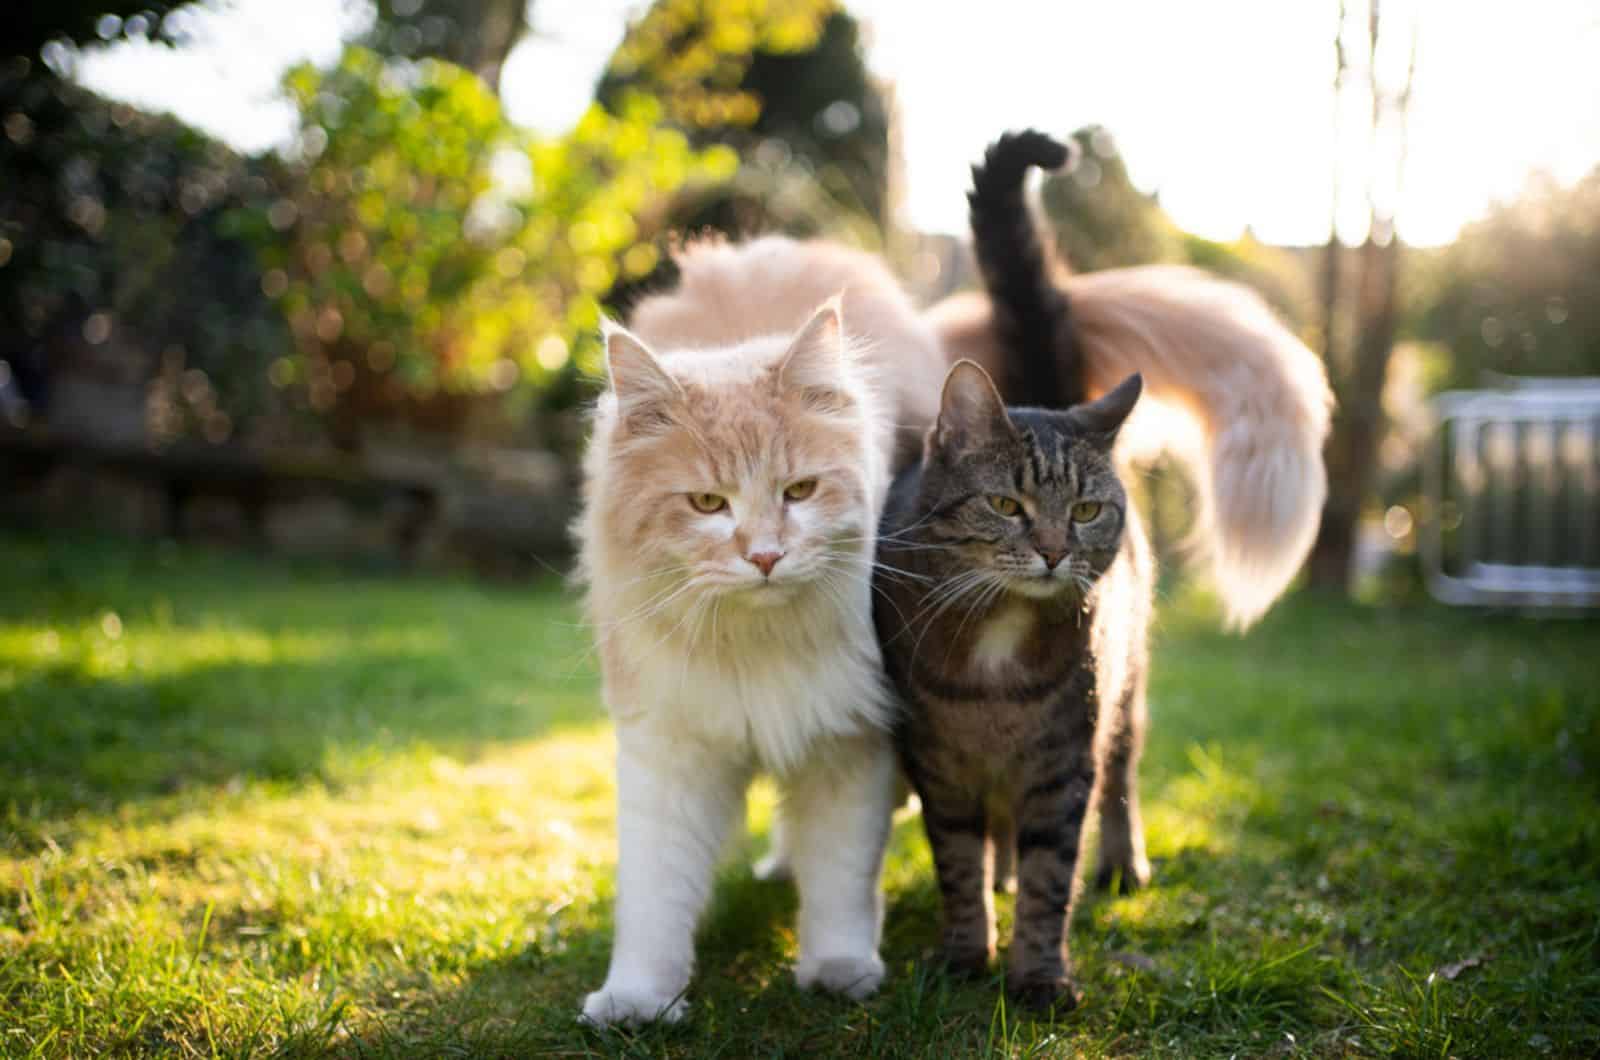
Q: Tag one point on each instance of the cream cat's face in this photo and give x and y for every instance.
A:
(739, 472)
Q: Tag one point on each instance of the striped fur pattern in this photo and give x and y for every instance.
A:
(1013, 596)
(1019, 270)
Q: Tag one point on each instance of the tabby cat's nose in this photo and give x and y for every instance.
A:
(765, 561)
(1051, 557)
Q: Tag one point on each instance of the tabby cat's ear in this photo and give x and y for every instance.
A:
(636, 376)
(1104, 416)
(971, 412)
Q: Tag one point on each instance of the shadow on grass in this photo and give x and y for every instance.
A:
(527, 1003)
(743, 1001)
(78, 743)
(127, 677)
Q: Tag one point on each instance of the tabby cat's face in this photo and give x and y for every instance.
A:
(1030, 497)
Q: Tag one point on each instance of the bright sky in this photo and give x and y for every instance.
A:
(1224, 107)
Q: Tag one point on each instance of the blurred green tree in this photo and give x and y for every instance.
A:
(107, 216)
(785, 85)
(1100, 219)
(694, 56)
(430, 251)
(1519, 292)
(103, 213)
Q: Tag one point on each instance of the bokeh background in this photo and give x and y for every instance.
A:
(301, 746)
(326, 275)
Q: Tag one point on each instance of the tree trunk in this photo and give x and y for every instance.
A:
(475, 34)
(1352, 451)
(1334, 251)
(500, 25)
(1327, 564)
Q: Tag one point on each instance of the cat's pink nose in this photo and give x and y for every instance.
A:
(765, 561)
(1051, 558)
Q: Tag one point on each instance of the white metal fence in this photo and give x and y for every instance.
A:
(1512, 496)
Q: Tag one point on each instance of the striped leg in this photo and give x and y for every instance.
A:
(1049, 830)
(955, 824)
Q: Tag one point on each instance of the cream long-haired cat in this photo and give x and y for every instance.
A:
(736, 472)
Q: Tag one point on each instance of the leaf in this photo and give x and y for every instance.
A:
(1455, 968)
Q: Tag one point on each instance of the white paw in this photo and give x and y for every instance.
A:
(773, 867)
(606, 1007)
(857, 978)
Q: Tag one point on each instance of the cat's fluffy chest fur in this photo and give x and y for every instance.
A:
(762, 686)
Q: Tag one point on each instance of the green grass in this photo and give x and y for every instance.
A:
(257, 808)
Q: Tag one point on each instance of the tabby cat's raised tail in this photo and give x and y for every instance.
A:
(1229, 390)
(1031, 311)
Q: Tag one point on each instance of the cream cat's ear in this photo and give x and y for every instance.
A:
(633, 371)
(971, 411)
(815, 359)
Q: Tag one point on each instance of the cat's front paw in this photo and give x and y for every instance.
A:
(857, 978)
(620, 1006)
(1057, 994)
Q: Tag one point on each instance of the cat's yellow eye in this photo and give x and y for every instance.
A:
(1085, 511)
(1006, 506)
(799, 491)
(706, 503)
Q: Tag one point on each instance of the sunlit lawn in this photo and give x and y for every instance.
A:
(253, 807)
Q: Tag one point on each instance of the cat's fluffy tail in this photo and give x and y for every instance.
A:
(1020, 272)
(1229, 391)
(1241, 401)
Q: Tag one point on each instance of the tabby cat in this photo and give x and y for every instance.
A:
(1014, 630)
(1014, 590)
